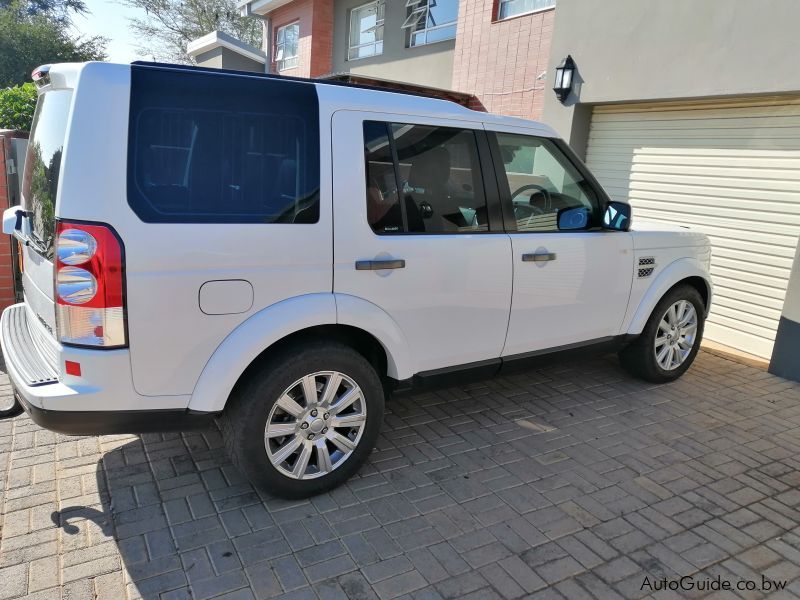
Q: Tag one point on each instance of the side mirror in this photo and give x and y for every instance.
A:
(11, 220)
(617, 216)
(573, 218)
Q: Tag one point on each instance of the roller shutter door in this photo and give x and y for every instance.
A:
(730, 169)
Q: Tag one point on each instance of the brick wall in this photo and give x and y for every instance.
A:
(499, 61)
(7, 297)
(316, 35)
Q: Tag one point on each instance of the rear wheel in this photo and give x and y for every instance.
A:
(306, 421)
(671, 338)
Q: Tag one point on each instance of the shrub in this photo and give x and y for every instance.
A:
(16, 107)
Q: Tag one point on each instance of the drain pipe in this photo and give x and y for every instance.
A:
(266, 33)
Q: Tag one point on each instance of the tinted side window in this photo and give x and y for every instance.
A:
(423, 179)
(216, 148)
(542, 181)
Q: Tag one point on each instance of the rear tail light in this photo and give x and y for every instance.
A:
(89, 286)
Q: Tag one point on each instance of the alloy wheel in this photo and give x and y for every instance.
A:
(676, 335)
(315, 425)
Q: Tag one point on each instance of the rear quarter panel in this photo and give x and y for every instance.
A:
(171, 339)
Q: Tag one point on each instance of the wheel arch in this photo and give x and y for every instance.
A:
(296, 320)
(684, 271)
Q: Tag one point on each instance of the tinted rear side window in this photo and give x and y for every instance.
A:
(43, 165)
(218, 148)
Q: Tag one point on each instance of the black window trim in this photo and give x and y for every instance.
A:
(505, 192)
(486, 170)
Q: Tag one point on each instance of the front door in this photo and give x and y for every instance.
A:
(572, 279)
(418, 233)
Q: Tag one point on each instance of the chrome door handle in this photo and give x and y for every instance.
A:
(538, 256)
(377, 265)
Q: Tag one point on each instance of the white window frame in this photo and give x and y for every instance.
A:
(380, 7)
(419, 12)
(286, 62)
(502, 3)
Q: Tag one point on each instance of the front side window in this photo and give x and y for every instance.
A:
(423, 179)
(543, 182)
(212, 148)
(286, 43)
(512, 8)
(366, 30)
(430, 21)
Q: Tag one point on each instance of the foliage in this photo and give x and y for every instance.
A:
(36, 33)
(16, 107)
(171, 24)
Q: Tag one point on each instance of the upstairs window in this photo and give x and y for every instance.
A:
(431, 21)
(366, 30)
(513, 8)
(286, 42)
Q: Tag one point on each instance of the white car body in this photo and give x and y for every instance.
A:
(204, 300)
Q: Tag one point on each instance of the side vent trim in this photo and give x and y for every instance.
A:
(647, 264)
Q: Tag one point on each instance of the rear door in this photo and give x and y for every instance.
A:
(418, 232)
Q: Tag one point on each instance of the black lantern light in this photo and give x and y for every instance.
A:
(564, 78)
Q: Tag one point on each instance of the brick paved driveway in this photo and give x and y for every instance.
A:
(571, 481)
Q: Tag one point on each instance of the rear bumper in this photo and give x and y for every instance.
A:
(102, 400)
(98, 422)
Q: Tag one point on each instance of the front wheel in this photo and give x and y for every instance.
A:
(671, 338)
(306, 421)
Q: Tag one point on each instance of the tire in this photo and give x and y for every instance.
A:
(10, 406)
(641, 358)
(255, 401)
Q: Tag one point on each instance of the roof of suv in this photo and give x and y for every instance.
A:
(338, 95)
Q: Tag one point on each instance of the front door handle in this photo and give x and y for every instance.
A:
(538, 256)
(377, 265)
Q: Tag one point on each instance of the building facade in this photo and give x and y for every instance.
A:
(688, 110)
(495, 50)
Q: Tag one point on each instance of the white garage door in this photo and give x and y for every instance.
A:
(730, 169)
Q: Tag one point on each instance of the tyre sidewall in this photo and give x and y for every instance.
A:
(255, 400)
(692, 296)
(15, 409)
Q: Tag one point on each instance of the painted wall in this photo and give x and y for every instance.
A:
(223, 58)
(629, 50)
(786, 355)
(499, 61)
(431, 64)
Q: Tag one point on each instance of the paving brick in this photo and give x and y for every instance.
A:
(613, 481)
(15, 581)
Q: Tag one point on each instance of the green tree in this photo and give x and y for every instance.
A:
(32, 34)
(171, 24)
(16, 107)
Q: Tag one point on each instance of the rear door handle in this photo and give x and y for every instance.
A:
(538, 256)
(377, 265)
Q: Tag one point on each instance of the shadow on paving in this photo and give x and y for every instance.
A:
(573, 479)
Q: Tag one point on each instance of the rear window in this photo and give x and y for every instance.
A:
(219, 148)
(43, 165)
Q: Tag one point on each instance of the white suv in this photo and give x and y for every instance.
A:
(281, 253)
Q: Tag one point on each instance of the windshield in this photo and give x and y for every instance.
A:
(43, 166)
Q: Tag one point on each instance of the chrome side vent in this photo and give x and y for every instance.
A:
(647, 264)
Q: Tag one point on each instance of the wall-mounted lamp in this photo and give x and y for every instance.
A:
(564, 78)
